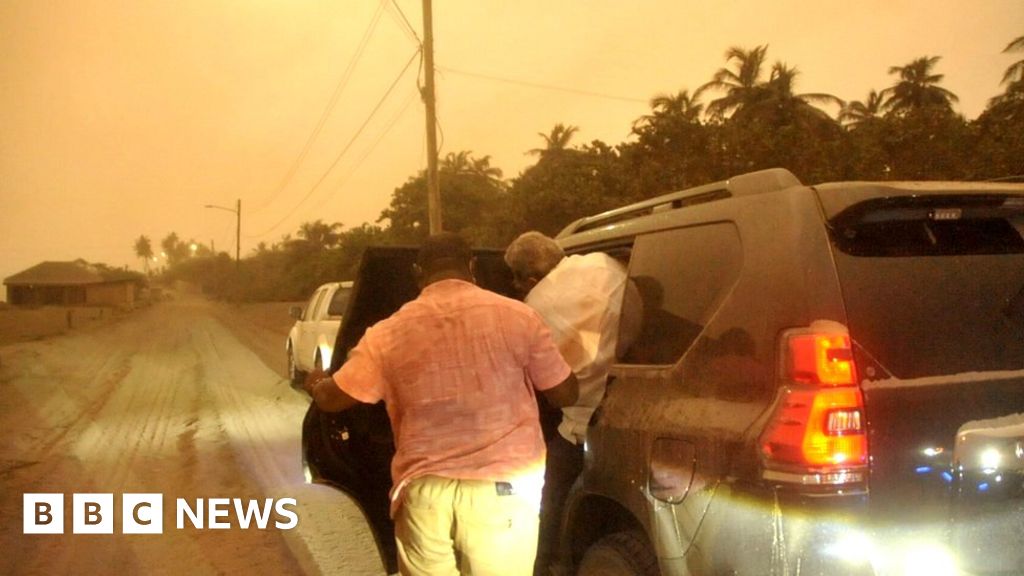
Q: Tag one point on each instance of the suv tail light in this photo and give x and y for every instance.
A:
(817, 433)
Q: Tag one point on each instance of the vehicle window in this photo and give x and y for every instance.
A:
(682, 276)
(922, 316)
(321, 306)
(339, 303)
(314, 303)
(929, 297)
(932, 238)
(631, 309)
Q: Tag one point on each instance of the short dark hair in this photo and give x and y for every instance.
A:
(444, 251)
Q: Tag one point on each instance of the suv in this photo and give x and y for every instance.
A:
(828, 379)
(310, 342)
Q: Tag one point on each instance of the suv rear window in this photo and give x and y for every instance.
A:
(934, 286)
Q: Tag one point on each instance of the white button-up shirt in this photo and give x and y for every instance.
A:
(580, 300)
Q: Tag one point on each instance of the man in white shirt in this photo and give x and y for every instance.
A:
(580, 298)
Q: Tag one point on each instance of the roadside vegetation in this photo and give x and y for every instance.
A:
(751, 115)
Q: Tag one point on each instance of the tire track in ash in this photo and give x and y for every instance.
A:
(123, 434)
(268, 412)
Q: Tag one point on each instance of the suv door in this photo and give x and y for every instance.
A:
(653, 430)
(352, 450)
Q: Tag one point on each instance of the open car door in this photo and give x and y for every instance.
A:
(352, 450)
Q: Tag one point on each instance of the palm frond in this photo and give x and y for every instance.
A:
(1015, 45)
(1014, 73)
(822, 98)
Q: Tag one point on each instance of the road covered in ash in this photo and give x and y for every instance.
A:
(167, 400)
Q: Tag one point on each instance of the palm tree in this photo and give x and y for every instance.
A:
(680, 105)
(144, 250)
(1015, 73)
(776, 101)
(918, 87)
(555, 141)
(857, 112)
(456, 163)
(482, 167)
(1013, 79)
(780, 87)
(740, 85)
(319, 234)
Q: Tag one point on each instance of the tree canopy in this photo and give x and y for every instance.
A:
(757, 119)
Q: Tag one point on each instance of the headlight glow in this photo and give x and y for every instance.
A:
(895, 558)
(853, 547)
(926, 559)
(990, 459)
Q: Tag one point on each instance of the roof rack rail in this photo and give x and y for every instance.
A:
(758, 182)
(1014, 178)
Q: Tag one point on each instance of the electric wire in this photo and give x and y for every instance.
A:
(343, 151)
(542, 86)
(388, 127)
(437, 119)
(332, 102)
(405, 25)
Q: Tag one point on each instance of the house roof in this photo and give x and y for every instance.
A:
(75, 273)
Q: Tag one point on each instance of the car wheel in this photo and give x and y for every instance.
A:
(296, 376)
(622, 553)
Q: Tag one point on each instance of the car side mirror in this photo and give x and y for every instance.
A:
(295, 312)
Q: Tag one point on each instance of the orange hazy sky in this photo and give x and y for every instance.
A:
(125, 117)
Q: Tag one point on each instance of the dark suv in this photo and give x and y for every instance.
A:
(827, 379)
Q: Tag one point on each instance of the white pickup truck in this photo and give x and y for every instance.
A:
(311, 340)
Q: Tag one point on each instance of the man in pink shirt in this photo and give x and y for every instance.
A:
(458, 369)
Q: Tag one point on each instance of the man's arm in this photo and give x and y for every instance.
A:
(565, 393)
(326, 393)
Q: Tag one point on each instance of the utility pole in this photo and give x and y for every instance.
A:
(433, 185)
(238, 229)
(238, 234)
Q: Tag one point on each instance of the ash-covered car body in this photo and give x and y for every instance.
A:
(830, 380)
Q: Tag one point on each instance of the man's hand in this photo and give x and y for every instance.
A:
(326, 393)
(312, 378)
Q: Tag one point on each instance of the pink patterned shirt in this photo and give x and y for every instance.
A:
(458, 368)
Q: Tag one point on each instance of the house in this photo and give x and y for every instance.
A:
(76, 283)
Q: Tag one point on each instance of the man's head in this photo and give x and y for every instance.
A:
(442, 256)
(531, 256)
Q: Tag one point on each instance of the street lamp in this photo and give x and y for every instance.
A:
(238, 227)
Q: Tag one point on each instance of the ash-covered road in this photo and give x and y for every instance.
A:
(167, 400)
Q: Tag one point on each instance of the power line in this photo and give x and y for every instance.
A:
(342, 83)
(344, 150)
(542, 86)
(390, 125)
(405, 25)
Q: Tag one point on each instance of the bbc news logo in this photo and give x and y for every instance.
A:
(144, 513)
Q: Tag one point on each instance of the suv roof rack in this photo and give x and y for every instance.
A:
(758, 182)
